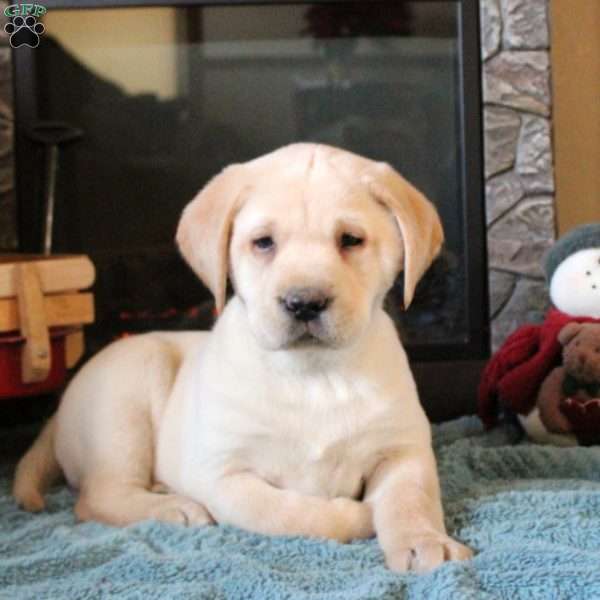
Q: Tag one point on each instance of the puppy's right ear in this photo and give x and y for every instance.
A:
(204, 229)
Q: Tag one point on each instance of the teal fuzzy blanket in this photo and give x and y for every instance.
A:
(531, 513)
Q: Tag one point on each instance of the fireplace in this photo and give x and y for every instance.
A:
(224, 82)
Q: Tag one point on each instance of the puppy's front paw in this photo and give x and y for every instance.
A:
(425, 552)
(182, 511)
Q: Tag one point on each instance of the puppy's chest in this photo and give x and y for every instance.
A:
(321, 449)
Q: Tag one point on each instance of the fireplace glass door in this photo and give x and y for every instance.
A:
(165, 97)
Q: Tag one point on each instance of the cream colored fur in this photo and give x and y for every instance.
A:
(272, 424)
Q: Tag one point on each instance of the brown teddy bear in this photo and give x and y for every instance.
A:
(569, 397)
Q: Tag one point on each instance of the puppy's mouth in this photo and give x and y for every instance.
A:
(306, 335)
(306, 339)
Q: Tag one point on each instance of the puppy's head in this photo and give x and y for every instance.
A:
(312, 238)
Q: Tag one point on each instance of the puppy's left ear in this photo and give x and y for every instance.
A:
(204, 229)
(417, 218)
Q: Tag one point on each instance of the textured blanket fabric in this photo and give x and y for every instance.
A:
(531, 513)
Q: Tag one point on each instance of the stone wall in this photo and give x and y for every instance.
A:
(8, 211)
(518, 159)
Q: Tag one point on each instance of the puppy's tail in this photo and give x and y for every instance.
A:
(37, 470)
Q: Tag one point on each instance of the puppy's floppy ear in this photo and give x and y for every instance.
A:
(205, 226)
(417, 218)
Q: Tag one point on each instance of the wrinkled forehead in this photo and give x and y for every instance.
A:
(302, 205)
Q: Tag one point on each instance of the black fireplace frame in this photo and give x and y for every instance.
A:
(439, 369)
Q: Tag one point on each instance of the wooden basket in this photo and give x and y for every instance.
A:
(42, 313)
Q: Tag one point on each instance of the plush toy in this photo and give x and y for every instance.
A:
(569, 398)
(512, 379)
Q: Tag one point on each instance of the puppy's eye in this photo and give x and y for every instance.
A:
(264, 243)
(348, 240)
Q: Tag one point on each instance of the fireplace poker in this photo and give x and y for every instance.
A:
(51, 134)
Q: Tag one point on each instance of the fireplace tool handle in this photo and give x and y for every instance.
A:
(51, 134)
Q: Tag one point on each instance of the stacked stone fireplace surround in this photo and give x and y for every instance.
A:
(519, 184)
(519, 188)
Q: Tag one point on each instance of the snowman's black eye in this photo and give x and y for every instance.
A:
(588, 273)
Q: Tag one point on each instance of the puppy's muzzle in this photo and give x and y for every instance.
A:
(305, 304)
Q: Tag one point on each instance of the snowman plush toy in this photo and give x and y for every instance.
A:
(514, 376)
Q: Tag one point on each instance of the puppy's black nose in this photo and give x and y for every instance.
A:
(305, 304)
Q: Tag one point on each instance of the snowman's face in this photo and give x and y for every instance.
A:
(575, 285)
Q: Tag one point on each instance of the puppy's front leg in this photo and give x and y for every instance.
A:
(407, 512)
(247, 501)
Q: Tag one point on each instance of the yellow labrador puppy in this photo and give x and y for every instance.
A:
(298, 413)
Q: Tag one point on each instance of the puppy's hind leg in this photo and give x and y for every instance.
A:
(116, 488)
(121, 502)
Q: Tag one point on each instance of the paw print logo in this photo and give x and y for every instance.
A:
(24, 31)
